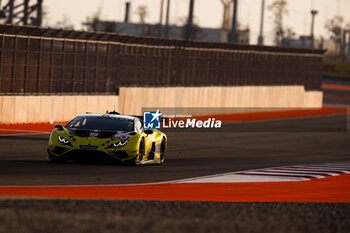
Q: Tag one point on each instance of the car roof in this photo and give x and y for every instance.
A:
(108, 115)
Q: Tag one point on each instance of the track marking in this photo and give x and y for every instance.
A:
(331, 189)
(334, 188)
(337, 97)
(307, 171)
(20, 132)
(336, 87)
(275, 174)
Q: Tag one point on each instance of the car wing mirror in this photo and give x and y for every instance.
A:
(59, 127)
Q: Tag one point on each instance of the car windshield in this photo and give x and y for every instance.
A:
(102, 123)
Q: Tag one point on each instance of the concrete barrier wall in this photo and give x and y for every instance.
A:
(43, 109)
(133, 99)
(50, 109)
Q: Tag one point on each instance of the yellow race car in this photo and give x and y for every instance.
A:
(108, 136)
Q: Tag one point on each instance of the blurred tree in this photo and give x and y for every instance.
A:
(65, 22)
(142, 12)
(197, 31)
(290, 34)
(337, 31)
(45, 15)
(289, 37)
(279, 9)
(92, 21)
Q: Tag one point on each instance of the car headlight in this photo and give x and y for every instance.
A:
(64, 141)
(118, 144)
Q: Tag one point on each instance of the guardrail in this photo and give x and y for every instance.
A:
(52, 61)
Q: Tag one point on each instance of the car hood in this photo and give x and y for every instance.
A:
(98, 133)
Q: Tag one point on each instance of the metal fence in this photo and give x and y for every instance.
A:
(37, 60)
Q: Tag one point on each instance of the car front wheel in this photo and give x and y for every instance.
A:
(141, 153)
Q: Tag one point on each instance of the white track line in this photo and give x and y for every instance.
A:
(275, 174)
(289, 171)
(256, 175)
(280, 171)
(322, 168)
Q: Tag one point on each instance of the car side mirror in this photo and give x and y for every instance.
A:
(148, 131)
(59, 127)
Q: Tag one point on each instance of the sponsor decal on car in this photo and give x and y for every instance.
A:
(122, 136)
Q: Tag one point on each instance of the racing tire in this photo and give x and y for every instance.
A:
(55, 159)
(162, 152)
(141, 152)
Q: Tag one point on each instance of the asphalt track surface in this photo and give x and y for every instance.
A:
(336, 91)
(191, 153)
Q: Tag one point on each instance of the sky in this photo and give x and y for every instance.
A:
(208, 13)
